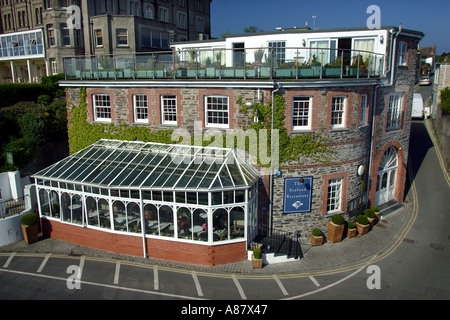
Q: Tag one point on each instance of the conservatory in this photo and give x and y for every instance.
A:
(182, 193)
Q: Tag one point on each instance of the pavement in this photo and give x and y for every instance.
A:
(383, 238)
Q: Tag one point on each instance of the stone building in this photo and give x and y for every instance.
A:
(37, 35)
(351, 87)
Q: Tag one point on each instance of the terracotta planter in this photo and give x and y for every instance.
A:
(335, 232)
(351, 233)
(372, 221)
(316, 241)
(30, 234)
(362, 229)
(256, 263)
(378, 214)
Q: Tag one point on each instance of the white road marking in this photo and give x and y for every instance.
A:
(11, 256)
(314, 281)
(155, 278)
(275, 277)
(197, 284)
(238, 285)
(116, 274)
(103, 285)
(39, 270)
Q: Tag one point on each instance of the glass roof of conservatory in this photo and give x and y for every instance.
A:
(125, 164)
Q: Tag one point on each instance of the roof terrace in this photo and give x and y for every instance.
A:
(222, 64)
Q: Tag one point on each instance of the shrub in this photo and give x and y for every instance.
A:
(29, 219)
(375, 209)
(362, 219)
(337, 219)
(257, 253)
(351, 225)
(44, 99)
(316, 232)
(369, 213)
(445, 100)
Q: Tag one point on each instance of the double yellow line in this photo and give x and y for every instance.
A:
(438, 152)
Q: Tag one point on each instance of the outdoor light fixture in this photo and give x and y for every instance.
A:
(304, 42)
(301, 180)
(361, 170)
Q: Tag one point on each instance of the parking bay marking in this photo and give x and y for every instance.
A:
(197, 284)
(11, 256)
(44, 262)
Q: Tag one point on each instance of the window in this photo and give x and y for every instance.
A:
(363, 109)
(216, 111)
(169, 109)
(402, 53)
(98, 38)
(48, 4)
(182, 20)
(51, 35)
(149, 12)
(121, 37)
(140, 108)
(301, 113)
(278, 51)
(393, 116)
(102, 107)
(54, 66)
(334, 195)
(65, 35)
(200, 25)
(338, 112)
(163, 14)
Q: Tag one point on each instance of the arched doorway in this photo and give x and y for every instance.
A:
(387, 176)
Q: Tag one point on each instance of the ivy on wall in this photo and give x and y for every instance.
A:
(82, 133)
(291, 149)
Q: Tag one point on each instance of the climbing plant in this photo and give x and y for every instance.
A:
(82, 133)
(291, 148)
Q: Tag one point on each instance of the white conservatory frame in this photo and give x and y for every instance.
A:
(148, 189)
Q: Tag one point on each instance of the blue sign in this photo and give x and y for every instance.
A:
(297, 195)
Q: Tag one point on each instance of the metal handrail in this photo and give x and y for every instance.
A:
(9, 208)
(248, 63)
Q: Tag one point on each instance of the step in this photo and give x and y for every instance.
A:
(390, 207)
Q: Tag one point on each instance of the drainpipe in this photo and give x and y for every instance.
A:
(372, 137)
(276, 89)
(394, 48)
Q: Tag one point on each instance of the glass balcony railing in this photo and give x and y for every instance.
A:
(260, 63)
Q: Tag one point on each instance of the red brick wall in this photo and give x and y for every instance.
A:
(183, 252)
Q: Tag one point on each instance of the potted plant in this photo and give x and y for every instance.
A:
(336, 228)
(377, 212)
(29, 223)
(370, 214)
(351, 229)
(257, 258)
(316, 237)
(362, 224)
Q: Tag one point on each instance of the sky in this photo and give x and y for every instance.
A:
(432, 17)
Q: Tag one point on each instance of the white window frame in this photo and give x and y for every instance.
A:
(394, 111)
(210, 112)
(117, 37)
(148, 12)
(334, 195)
(140, 108)
(338, 113)
(301, 112)
(168, 110)
(98, 35)
(402, 53)
(103, 99)
(182, 20)
(362, 121)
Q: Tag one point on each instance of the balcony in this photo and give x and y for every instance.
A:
(223, 64)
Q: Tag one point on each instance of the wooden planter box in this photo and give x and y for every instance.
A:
(335, 232)
(351, 233)
(316, 241)
(30, 234)
(257, 263)
(362, 229)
